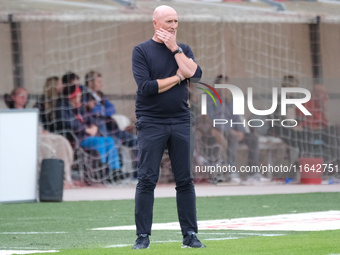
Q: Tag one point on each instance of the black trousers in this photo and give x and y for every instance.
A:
(152, 141)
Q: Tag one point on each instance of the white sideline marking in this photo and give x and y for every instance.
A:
(203, 233)
(10, 252)
(222, 238)
(314, 221)
(124, 245)
(29, 233)
(118, 245)
(203, 239)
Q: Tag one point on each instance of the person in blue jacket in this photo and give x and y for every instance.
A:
(161, 68)
(104, 109)
(71, 117)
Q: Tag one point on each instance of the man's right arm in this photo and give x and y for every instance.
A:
(167, 83)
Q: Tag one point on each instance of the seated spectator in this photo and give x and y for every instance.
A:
(104, 109)
(317, 107)
(210, 148)
(204, 134)
(70, 78)
(313, 136)
(8, 101)
(71, 117)
(18, 98)
(58, 143)
(100, 121)
(290, 136)
(47, 102)
(237, 133)
(316, 128)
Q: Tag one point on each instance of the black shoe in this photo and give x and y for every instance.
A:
(142, 242)
(191, 241)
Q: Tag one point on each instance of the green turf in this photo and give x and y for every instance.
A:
(316, 243)
(77, 218)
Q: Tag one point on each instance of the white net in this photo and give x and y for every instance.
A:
(253, 48)
(53, 48)
(263, 56)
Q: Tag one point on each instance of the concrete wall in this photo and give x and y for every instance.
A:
(247, 52)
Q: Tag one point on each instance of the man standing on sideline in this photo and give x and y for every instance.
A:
(161, 67)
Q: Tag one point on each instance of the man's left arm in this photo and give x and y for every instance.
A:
(198, 73)
(186, 65)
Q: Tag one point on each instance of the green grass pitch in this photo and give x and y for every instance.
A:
(67, 226)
